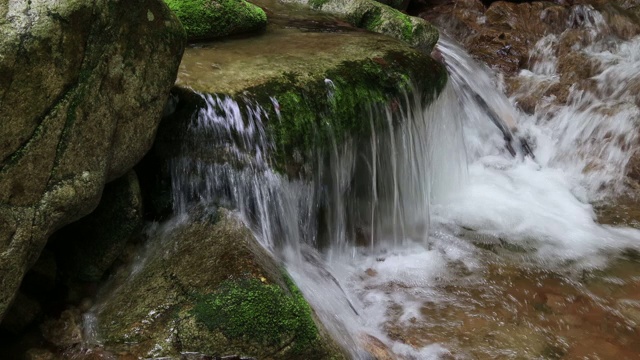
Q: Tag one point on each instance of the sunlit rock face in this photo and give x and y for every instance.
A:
(84, 87)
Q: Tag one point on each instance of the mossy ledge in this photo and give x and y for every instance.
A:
(306, 113)
(213, 19)
(254, 311)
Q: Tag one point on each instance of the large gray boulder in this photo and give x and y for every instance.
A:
(83, 87)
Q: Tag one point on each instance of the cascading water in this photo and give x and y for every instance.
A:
(352, 201)
(373, 262)
(535, 216)
(406, 236)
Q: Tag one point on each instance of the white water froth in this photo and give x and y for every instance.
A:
(581, 156)
(543, 206)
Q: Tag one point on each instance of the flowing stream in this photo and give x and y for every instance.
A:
(428, 239)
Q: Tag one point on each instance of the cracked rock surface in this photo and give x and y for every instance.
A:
(83, 86)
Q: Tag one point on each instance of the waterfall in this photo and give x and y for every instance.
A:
(224, 163)
(386, 225)
(367, 193)
(384, 220)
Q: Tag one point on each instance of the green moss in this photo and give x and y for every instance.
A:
(371, 20)
(253, 311)
(210, 19)
(384, 19)
(312, 115)
(308, 114)
(317, 3)
(407, 28)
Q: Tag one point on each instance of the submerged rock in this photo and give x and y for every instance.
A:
(212, 19)
(207, 286)
(84, 85)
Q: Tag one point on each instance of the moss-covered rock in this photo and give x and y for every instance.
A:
(256, 314)
(312, 112)
(84, 84)
(207, 286)
(381, 18)
(318, 87)
(212, 19)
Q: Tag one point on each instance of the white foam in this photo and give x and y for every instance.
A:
(542, 207)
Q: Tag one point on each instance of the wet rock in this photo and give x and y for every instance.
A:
(371, 272)
(555, 302)
(380, 18)
(511, 37)
(86, 82)
(87, 248)
(65, 330)
(213, 19)
(630, 310)
(208, 287)
(376, 348)
(39, 354)
(314, 80)
(502, 35)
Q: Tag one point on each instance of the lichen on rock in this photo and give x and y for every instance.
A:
(212, 19)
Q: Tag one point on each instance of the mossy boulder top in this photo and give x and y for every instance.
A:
(212, 19)
(308, 72)
(84, 84)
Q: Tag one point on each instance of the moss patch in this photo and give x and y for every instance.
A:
(312, 114)
(383, 19)
(254, 311)
(210, 19)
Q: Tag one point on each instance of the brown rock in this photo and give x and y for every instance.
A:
(65, 330)
(376, 348)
